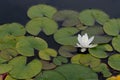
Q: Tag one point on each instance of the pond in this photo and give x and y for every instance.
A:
(16, 11)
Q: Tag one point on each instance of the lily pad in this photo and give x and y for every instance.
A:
(99, 51)
(50, 75)
(65, 36)
(116, 43)
(85, 59)
(103, 68)
(113, 61)
(8, 77)
(112, 27)
(41, 10)
(59, 60)
(69, 17)
(47, 65)
(22, 70)
(66, 51)
(80, 72)
(27, 45)
(14, 29)
(4, 68)
(47, 53)
(99, 34)
(89, 16)
(48, 26)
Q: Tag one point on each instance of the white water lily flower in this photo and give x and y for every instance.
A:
(84, 42)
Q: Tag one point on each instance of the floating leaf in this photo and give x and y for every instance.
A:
(21, 70)
(76, 72)
(14, 29)
(59, 60)
(112, 27)
(114, 61)
(66, 51)
(47, 65)
(89, 16)
(65, 36)
(103, 68)
(85, 59)
(50, 75)
(35, 25)
(69, 17)
(41, 10)
(4, 68)
(116, 43)
(98, 32)
(99, 51)
(8, 77)
(47, 53)
(27, 45)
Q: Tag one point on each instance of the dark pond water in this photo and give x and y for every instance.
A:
(15, 10)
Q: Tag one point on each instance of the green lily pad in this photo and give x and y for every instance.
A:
(50, 75)
(2, 60)
(116, 43)
(76, 72)
(47, 53)
(47, 65)
(27, 45)
(103, 68)
(48, 26)
(65, 36)
(99, 51)
(66, 51)
(99, 34)
(112, 27)
(4, 68)
(14, 29)
(85, 59)
(41, 10)
(114, 61)
(8, 77)
(69, 17)
(22, 70)
(89, 16)
(59, 60)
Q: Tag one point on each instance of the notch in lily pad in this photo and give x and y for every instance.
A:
(90, 16)
(14, 29)
(41, 10)
(22, 70)
(47, 53)
(27, 45)
(36, 25)
(66, 36)
(69, 17)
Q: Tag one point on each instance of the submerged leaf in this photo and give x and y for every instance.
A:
(66, 51)
(69, 17)
(48, 26)
(21, 70)
(41, 10)
(65, 36)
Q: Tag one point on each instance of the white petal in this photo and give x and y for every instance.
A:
(83, 49)
(85, 38)
(92, 45)
(79, 38)
(90, 40)
(78, 45)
